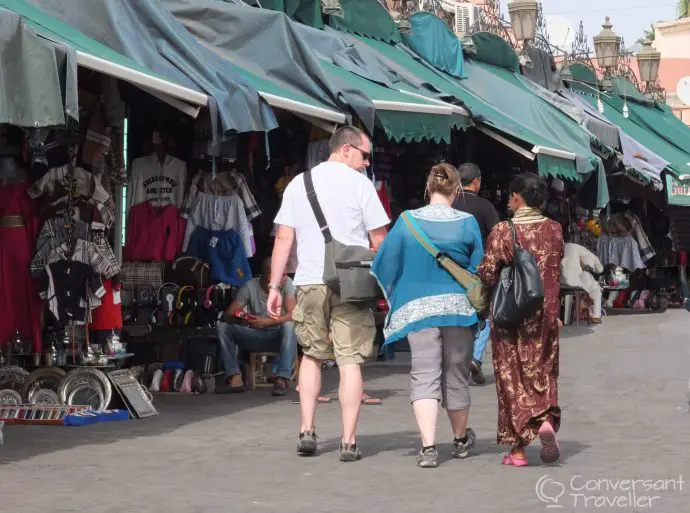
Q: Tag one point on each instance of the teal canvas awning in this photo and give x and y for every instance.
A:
(38, 78)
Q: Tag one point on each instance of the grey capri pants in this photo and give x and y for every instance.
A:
(441, 359)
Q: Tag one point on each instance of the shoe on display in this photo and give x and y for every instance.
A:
(187, 382)
(167, 381)
(156, 381)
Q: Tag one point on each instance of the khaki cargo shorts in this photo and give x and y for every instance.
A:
(319, 314)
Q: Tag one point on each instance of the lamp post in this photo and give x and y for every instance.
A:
(648, 60)
(607, 47)
(523, 18)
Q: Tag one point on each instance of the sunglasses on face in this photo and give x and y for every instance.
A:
(366, 155)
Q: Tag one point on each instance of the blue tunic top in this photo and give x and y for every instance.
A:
(420, 293)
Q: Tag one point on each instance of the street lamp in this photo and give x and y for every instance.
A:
(607, 46)
(648, 62)
(523, 18)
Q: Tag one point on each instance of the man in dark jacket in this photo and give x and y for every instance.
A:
(487, 217)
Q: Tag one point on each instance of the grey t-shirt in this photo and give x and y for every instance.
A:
(255, 298)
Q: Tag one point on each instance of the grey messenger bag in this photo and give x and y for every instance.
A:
(347, 269)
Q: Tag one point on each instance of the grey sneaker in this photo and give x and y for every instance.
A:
(349, 452)
(427, 458)
(460, 449)
(306, 446)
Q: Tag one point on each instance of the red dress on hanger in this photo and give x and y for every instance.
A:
(19, 301)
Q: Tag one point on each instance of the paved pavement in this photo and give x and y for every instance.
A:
(623, 391)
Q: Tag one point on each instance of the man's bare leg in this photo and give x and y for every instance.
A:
(350, 396)
(309, 388)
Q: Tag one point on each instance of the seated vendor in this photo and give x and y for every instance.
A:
(258, 332)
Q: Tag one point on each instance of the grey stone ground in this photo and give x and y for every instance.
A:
(623, 391)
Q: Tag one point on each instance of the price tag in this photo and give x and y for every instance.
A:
(116, 297)
(213, 242)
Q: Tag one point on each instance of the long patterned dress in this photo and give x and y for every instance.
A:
(526, 359)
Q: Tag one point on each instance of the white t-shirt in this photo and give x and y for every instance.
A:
(350, 204)
(161, 184)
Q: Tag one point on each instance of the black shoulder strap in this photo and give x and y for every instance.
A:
(516, 242)
(318, 213)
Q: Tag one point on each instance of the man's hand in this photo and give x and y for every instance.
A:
(274, 303)
(261, 323)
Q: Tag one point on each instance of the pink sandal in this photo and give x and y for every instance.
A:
(512, 461)
(550, 452)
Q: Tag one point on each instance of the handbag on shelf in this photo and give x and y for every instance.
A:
(520, 290)
(347, 269)
(189, 271)
(142, 274)
(477, 293)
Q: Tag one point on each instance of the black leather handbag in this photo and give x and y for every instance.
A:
(520, 290)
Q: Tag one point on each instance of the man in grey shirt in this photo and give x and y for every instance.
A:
(258, 332)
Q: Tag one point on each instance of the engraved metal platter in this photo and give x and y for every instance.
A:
(45, 378)
(13, 377)
(89, 394)
(94, 379)
(45, 396)
(10, 397)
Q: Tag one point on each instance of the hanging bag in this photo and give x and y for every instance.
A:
(477, 293)
(347, 269)
(519, 291)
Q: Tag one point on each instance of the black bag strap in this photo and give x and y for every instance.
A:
(318, 213)
(516, 242)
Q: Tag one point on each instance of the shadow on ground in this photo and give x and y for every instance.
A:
(176, 411)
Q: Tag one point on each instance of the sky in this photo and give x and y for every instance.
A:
(630, 18)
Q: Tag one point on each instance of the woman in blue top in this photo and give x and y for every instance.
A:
(432, 310)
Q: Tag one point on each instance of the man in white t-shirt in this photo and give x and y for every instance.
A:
(355, 216)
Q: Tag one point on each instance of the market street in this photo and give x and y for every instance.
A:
(623, 390)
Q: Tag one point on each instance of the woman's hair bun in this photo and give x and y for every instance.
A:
(443, 179)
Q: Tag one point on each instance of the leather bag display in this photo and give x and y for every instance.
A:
(347, 269)
(477, 293)
(520, 290)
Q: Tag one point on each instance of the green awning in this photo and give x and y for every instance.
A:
(497, 99)
(679, 161)
(404, 117)
(38, 79)
(307, 12)
(94, 55)
(366, 18)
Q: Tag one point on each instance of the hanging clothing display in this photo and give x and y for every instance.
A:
(88, 188)
(226, 183)
(54, 233)
(620, 251)
(19, 301)
(646, 250)
(225, 254)
(159, 182)
(66, 285)
(219, 213)
(154, 233)
(108, 316)
(87, 253)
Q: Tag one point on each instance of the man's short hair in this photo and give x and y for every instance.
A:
(469, 173)
(345, 135)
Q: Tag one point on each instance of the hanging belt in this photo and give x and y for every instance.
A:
(11, 222)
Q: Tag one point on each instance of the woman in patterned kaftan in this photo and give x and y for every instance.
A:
(526, 359)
